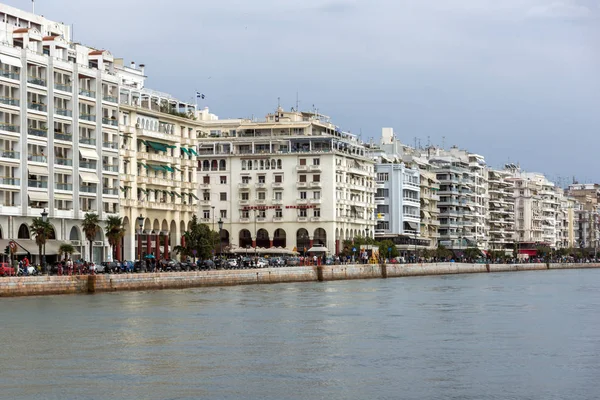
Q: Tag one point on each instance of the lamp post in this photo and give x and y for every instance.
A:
(255, 233)
(220, 240)
(140, 221)
(213, 213)
(44, 220)
(416, 233)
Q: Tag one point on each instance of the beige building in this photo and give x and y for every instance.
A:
(501, 210)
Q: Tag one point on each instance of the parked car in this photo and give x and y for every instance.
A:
(292, 261)
(139, 266)
(262, 263)
(207, 264)
(6, 270)
(232, 263)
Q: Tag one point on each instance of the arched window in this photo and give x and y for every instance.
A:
(262, 164)
(267, 165)
(256, 165)
(250, 165)
(205, 165)
(273, 164)
(244, 165)
(279, 166)
(222, 165)
(214, 165)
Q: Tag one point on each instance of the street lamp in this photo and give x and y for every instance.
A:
(44, 220)
(220, 240)
(140, 221)
(416, 233)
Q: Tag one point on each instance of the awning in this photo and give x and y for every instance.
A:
(89, 177)
(426, 214)
(12, 61)
(411, 225)
(88, 153)
(157, 146)
(531, 253)
(62, 196)
(194, 196)
(176, 194)
(184, 150)
(168, 168)
(317, 249)
(143, 165)
(193, 152)
(38, 196)
(38, 170)
(157, 167)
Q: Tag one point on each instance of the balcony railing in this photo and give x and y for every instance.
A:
(37, 158)
(10, 101)
(63, 136)
(109, 121)
(64, 186)
(110, 145)
(63, 161)
(112, 191)
(90, 141)
(36, 81)
(64, 112)
(64, 88)
(88, 93)
(10, 181)
(15, 155)
(112, 99)
(9, 74)
(9, 127)
(37, 184)
(38, 132)
(88, 117)
(88, 189)
(110, 168)
(87, 164)
(37, 107)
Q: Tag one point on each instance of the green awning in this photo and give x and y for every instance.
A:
(176, 169)
(125, 188)
(193, 152)
(176, 194)
(168, 168)
(194, 196)
(143, 190)
(157, 167)
(157, 146)
(143, 165)
(171, 146)
(184, 150)
(170, 193)
(143, 142)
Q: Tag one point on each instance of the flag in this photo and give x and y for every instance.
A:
(199, 95)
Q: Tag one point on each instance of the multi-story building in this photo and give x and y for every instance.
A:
(587, 224)
(501, 210)
(294, 180)
(58, 112)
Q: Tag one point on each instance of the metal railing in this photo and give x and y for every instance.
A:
(15, 155)
(7, 180)
(36, 81)
(88, 93)
(37, 158)
(87, 140)
(63, 136)
(111, 168)
(63, 161)
(37, 107)
(64, 88)
(64, 186)
(110, 145)
(88, 189)
(32, 183)
(9, 74)
(87, 164)
(64, 112)
(112, 191)
(112, 99)
(88, 117)
(9, 127)
(38, 132)
(109, 121)
(11, 101)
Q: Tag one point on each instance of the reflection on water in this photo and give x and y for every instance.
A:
(489, 336)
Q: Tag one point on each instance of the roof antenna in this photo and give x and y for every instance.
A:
(444, 142)
(297, 102)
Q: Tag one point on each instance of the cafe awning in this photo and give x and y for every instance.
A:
(89, 177)
(88, 153)
(38, 196)
(38, 170)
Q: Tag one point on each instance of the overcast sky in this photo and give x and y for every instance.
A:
(514, 80)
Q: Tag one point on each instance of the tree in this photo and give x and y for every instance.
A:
(442, 252)
(384, 247)
(198, 241)
(543, 252)
(114, 232)
(66, 249)
(41, 231)
(472, 253)
(91, 227)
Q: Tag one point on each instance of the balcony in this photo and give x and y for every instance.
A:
(13, 155)
(10, 181)
(260, 219)
(10, 101)
(315, 184)
(87, 164)
(37, 184)
(64, 186)
(110, 121)
(88, 141)
(110, 191)
(36, 80)
(244, 219)
(37, 107)
(315, 168)
(244, 185)
(244, 202)
(10, 75)
(302, 219)
(9, 127)
(88, 189)
(416, 201)
(87, 117)
(261, 185)
(38, 132)
(63, 111)
(64, 88)
(277, 201)
(110, 145)
(302, 184)
(111, 99)
(302, 168)
(67, 137)
(301, 201)
(315, 201)
(110, 168)
(87, 93)
(261, 201)
(37, 158)
(277, 219)
(315, 219)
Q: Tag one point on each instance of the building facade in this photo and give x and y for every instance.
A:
(501, 210)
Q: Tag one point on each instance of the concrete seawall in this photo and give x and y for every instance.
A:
(52, 285)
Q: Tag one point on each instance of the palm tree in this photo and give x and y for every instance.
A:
(91, 227)
(114, 232)
(42, 231)
(66, 249)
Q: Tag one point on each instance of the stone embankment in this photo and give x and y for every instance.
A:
(51, 285)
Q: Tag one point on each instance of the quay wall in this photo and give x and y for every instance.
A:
(53, 285)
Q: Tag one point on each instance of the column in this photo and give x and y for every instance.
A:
(254, 242)
(167, 237)
(149, 244)
(157, 246)
(118, 255)
(270, 243)
(310, 243)
(139, 247)
(337, 247)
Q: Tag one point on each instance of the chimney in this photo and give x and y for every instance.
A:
(133, 64)
(142, 68)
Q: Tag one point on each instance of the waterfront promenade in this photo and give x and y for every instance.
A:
(87, 284)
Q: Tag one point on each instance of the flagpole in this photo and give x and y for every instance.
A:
(33, 6)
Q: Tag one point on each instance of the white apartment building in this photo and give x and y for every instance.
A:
(294, 180)
(501, 210)
(58, 129)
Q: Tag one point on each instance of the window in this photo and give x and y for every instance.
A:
(303, 161)
(223, 180)
(223, 213)
(317, 212)
(278, 213)
(316, 161)
(245, 214)
(244, 163)
(262, 195)
(278, 195)
(383, 193)
(223, 196)
(245, 179)
(302, 178)
(206, 196)
(206, 214)
(262, 179)
(245, 196)
(303, 195)
(302, 213)
(206, 180)
(262, 214)
(316, 195)
(316, 178)
(383, 177)
(278, 178)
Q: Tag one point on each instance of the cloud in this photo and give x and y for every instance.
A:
(561, 10)
(336, 7)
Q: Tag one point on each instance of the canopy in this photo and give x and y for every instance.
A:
(61, 196)
(157, 167)
(12, 61)
(170, 169)
(317, 249)
(38, 170)
(31, 246)
(157, 146)
(88, 153)
(184, 150)
(193, 152)
(412, 225)
(89, 177)
(193, 195)
(38, 196)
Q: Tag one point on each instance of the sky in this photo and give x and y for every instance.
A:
(514, 80)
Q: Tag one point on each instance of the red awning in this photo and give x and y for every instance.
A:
(531, 253)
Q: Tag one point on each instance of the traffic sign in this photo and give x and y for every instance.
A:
(13, 246)
(354, 249)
